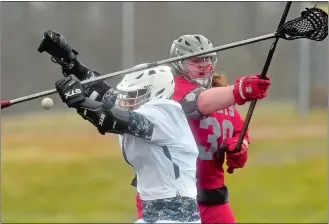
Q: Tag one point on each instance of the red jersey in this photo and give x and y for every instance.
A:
(209, 132)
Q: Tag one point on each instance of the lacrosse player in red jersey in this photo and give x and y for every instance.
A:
(215, 130)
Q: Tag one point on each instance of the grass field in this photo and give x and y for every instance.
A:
(57, 168)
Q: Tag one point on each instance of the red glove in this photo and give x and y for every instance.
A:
(235, 159)
(250, 88)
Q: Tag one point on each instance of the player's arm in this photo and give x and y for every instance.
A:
(200, 102)
(104, 116)
(98, 90)
(109, 119)
(64, 55)
(245, 89)
(215, 99)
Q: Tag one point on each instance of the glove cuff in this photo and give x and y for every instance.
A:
(238, 94)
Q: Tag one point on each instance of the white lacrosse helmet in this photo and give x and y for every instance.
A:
(137, 88)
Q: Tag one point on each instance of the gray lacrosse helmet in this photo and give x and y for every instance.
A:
(198, 70)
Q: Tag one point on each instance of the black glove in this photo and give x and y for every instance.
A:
(55, 45)
(61, 52)
(70, 90)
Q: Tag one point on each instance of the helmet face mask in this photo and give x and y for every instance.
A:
(198, 70)
(139, 87)
(133, 99)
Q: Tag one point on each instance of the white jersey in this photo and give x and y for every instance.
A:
(165, 166)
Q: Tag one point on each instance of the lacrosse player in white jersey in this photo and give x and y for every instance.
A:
(155, 139)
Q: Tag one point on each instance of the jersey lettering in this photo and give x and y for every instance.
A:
(224, 130)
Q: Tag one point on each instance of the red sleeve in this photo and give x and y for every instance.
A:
(238, 125)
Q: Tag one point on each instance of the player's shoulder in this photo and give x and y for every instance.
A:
(161, 111)
(182, 88)
(163, 103)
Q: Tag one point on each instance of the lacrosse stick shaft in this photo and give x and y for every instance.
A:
(263, 74)
(171, 60)
(7, 103)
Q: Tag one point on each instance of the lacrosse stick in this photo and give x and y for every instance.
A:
(263, 74)
(318, 30)
(313, 25)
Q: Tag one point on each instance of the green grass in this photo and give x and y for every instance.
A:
(66, 172)
(73, 191)
(284, 184)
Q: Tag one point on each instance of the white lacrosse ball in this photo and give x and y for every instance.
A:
(47, 103)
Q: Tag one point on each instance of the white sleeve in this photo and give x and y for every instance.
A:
(164, 117)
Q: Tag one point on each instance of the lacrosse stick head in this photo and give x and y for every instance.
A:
(312, 24)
